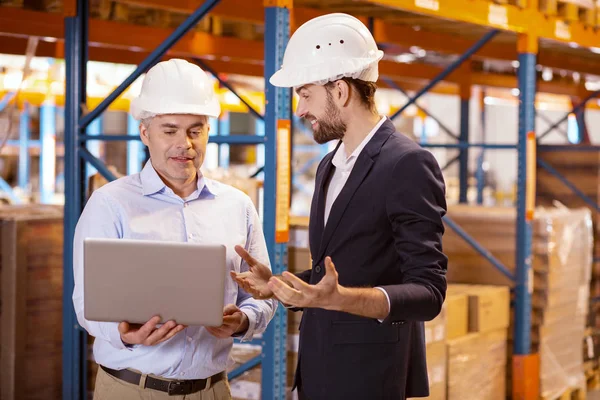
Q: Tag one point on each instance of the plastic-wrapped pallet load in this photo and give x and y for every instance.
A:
(562, 264)
(562, 248)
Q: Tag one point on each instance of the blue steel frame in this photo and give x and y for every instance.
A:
(274, 344)
(527, 89)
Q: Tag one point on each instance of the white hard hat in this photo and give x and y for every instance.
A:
(176, 87)
(328, 48)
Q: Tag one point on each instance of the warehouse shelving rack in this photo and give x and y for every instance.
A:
(276, 171)
(491, 20)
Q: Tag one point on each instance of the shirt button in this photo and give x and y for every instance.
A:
(190, 236)
(185, 204)
(189, 339)
(182, 373)
(318, 269)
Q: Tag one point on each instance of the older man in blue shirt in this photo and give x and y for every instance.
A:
(171, 200)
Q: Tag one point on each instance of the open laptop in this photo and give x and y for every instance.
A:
(133, 280)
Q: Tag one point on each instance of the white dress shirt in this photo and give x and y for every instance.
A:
(343, 167)
(141, 206)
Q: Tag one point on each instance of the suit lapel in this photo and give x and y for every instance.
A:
(361, 169)
(316, 224)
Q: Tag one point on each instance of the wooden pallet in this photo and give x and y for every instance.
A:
(583, 11)
(569, 394)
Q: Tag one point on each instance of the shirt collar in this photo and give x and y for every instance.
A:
(152, 183)
(341, 161)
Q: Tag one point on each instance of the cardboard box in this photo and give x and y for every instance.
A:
(489, 306)
(435, 330)
(437, 357)
(477, 366)
(457, 314)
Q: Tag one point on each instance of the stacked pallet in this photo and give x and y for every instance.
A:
(466, 344)
(561, 260)
(583, 171)
(31, 248)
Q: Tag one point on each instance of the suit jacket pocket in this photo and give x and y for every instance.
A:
(357, 332)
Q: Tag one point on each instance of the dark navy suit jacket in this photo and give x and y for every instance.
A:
(385, 229)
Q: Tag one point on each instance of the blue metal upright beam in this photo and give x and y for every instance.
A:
(47, 152)
(527, 91)
(74, 337)
(463, 159)
(224, 130)
(93, 146)
(135, 153)
(278, 103)
(24, 159)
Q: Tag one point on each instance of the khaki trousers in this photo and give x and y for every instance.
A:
(110, 388)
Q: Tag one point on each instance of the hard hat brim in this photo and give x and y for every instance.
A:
(139, 107)
(322, 73)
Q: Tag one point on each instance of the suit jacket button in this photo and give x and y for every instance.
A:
(318, 269)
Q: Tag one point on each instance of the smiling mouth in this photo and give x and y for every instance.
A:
(181, 159)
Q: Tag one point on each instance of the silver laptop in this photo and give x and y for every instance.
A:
(133, 280)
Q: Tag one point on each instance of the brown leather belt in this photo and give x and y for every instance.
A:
(177, 387)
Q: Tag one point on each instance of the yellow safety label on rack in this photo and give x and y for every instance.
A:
(283, 185)
(428, 4)
(562, 30)
(530, 181)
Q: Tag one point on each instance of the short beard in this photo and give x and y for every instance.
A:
(331, 127)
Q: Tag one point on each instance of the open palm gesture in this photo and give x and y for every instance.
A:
(255, 280)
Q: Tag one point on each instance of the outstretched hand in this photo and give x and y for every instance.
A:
(255, 280)
(297, 293)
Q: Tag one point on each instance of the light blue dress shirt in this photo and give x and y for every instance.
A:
(141, 206)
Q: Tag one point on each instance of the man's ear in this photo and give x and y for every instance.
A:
(144, 134)
(343, 92)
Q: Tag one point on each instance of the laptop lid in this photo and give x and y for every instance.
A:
(133, 280)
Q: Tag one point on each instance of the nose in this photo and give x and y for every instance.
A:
(301, 109)
(184, 141)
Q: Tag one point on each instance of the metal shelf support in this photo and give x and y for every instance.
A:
(525, 364)
(277, 120)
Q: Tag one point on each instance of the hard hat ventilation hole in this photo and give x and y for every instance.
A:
(342, 41)
(318, 47)
(330, 44)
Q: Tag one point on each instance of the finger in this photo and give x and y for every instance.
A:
(123, 328)
(284, 292)
(159, 333)
(217, 332)
(230, 309)
(296, 282)
(148, 327)
(251, 261)
(329, 267)
(172, 333)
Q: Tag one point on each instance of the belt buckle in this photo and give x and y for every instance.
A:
(179, 388)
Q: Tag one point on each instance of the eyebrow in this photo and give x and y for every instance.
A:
(175, 126)
(301, 88)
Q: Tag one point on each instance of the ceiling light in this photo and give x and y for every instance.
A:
(547, 74)
(405, 58)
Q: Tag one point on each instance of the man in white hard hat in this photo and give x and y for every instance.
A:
(375, 234)
(170, 200)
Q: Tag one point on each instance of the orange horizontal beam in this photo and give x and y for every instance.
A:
(498, 16)
(47, 49)
(242, 10)
(112, 34)
(126, 43)
(401, 35)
